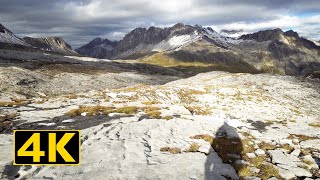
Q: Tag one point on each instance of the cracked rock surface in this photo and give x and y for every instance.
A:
(214, 125)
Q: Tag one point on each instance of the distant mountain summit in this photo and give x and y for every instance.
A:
(266, 35)
(142, 41)
(53, 44)
(99, 48)
(8, 40)
(232, 33)
(277, 36)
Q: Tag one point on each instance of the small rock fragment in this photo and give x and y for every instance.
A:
(251, 155)
(314, 144)
(286, 174)
(68, 121)
(254, 170)
(260, 152)
(300, 172)
(296, 152)
(47, 124)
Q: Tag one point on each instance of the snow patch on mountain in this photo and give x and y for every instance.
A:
(315, 42)
(6, 36)
(179, 40)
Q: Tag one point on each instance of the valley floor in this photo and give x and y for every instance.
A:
(214, 125)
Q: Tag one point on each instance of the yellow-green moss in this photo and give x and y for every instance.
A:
(152, 112)
(301, 137)
(205, 137)
(90, 110)
(127, 110)
(267, 171)
(173, 150)
(266, 146)
(194, 147)
(315, 124)
(199, 110)
(150, 102)
(13, 103)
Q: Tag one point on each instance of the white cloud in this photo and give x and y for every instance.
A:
(82, 20)
(303, 25)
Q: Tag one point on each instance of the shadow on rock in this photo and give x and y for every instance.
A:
(227, 144)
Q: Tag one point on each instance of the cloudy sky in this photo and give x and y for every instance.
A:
(79, 21)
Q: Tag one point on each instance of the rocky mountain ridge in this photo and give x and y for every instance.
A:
(51, 44)
(8, 40)
(6, 36)
(272, 51)
(99, 48)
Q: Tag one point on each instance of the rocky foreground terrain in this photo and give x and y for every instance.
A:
(142, 121)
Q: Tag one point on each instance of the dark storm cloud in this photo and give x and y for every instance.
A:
(80, 21)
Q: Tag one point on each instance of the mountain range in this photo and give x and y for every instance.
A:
(272, 51)
(9, 40)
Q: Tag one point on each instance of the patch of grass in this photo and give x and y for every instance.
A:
(71, 96)
(197, 110)
(266, 146)
(296, 111)
(186, 98)
(315, 124)
(267, 171)
(205, 137)
(127, 110)
(90, 110)
(303, 166)
(152, 112)
(161, 59)
(287, 147)
(269, 122)
(13, 103)
(150, 108)
(257, 161)
(301, 137)
(306, 161)
(168, 117)
(194, 147)
(119, 102)
(306, 151)
(238, 96)
(245, 172)
(171, 150)
(247, 135)
(133, 88)
(247, 146)
(150, 102)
